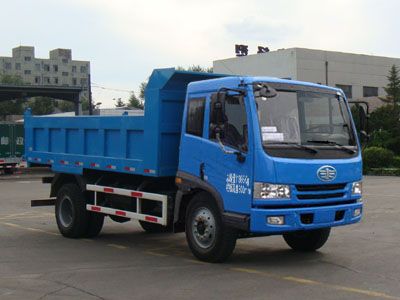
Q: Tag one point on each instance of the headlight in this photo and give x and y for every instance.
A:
(271, 191)
(356, 188)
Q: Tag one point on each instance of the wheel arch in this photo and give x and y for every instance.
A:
(191, 185)
(60, 179)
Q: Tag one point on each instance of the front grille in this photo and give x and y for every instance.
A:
(319, 196)
(320, 187)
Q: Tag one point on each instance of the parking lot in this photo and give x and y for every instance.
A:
(358, 262)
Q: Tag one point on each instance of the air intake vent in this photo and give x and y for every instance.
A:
(320, 187)
(319, 196)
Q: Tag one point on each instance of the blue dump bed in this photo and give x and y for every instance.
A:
(144, 145)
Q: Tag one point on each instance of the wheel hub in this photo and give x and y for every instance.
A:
(66, 212)
(203, 227)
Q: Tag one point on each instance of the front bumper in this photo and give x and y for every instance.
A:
(305, 218)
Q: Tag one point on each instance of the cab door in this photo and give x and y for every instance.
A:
(230, 167)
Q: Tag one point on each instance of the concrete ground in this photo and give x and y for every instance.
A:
(361, 261)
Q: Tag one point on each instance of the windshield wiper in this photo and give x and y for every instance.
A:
(333, 143)
(300, 146)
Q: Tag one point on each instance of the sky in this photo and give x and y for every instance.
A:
(126, 39)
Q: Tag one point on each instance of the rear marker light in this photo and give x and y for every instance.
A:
(94, 165)
(120, 213)
(151, 219)
(137, 194)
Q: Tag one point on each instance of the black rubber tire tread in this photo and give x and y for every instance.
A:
(225, 236)
(95, 224)
(79, 224)
(307, 241)
(153, 228)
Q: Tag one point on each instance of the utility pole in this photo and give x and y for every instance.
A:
(90, 95)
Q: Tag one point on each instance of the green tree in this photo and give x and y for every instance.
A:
(65, 106)
(135, 102)
(41, 105)
(393, 87)
(119, 103)
(195, 68)
(12, 106)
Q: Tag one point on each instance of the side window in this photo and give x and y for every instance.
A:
(195, 116)
(235, 122)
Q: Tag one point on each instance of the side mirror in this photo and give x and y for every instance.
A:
(264, 91)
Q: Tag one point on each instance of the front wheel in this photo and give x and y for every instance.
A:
(307, 241)
(208, 237)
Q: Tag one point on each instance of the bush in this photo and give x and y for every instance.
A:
(396, 162)
(377, 157)
(393, 144)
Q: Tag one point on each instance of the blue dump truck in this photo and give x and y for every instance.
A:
(218, 157)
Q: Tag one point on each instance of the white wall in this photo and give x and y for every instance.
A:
(280, 64)
(302, 64)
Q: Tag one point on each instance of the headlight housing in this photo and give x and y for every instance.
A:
(271, 191)
(356, 188)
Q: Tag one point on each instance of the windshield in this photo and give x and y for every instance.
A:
(302, 117)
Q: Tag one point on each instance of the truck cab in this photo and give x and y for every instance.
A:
(277, 157)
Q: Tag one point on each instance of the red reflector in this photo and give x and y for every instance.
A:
(120, 213)
(96, 208)
(1, 161)
(146, 170)
(108, 190)
(137, 194)
(92, 164)
(151, 219)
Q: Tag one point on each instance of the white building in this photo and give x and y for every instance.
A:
(356, 74)
(57, 70)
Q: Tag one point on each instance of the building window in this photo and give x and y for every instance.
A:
(28, 58)
(83, 81)
(83, 69)
(55, 80)
(64, 73)
(195, 117)
(17, 66)
(37, 67)
(46, 68)
(55, 68)
(74, 81)
(46, 80)
(37, 79)
(347, 89)
(65, 60)
(370, 91)
(73, 69)
(27, 72)
(7, 66)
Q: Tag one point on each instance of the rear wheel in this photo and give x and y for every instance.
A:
(73, 220)
(208, 237)
(307, 240)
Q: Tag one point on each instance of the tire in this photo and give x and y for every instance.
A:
(73, 220)
(153, 228)
(95, 224)
(307, 241)
(208, 237)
